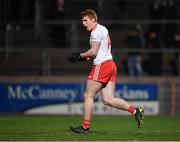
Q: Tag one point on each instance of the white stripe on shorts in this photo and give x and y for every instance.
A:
(96, 72)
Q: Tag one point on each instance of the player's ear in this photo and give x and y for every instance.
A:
(93, 20)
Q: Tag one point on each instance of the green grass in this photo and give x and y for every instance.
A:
(104, 128)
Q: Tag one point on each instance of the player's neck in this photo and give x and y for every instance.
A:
(94, 26)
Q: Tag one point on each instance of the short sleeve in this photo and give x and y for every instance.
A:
(96, 36)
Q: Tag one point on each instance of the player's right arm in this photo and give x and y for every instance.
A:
(92, 52)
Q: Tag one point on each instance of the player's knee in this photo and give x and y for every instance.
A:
(88, 95)
(107, 102)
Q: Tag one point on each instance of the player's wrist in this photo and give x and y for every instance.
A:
(74, 57)
(80, 58)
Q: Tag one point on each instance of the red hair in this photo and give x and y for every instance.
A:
(90, 13)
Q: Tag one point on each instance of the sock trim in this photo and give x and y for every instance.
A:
(132, 109)
(86, 124)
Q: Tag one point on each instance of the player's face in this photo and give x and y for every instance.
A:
(88, 23)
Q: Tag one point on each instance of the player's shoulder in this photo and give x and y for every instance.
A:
(99, 29)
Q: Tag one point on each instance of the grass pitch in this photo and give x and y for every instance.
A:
(103, 128)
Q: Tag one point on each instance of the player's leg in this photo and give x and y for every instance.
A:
(109, 99)
(92, 88)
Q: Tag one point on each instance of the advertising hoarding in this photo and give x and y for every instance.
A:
(67, 98)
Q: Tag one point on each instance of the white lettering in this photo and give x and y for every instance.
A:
(132, 94)
(34, 92)
(31, 90)
(16, 93)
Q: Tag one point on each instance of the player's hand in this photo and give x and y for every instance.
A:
(75, 57)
